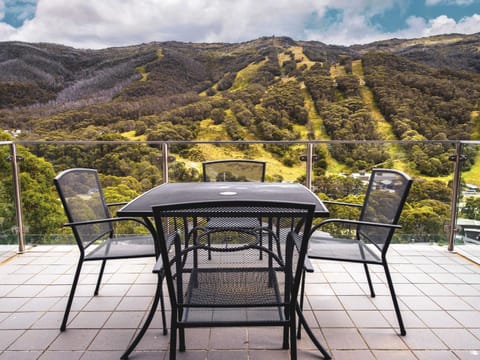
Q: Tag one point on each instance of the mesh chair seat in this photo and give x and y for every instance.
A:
(344, 249)
(122, 247)
(232, 287)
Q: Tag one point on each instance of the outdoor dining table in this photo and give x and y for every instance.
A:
(173, 193)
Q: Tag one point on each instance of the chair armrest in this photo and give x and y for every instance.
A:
(341, 203)
(354, 222)
(117, 203)
(116, 219)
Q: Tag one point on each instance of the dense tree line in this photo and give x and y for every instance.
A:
(423, 103)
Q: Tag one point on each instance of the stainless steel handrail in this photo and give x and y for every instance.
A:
(309, 144)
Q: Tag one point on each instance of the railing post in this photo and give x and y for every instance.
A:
(457, 167)
(308, 178)
(17, 198)
(165, 162)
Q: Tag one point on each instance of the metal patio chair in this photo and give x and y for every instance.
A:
(236, 288)
(94, 229)
(234, 170)
(372, 232)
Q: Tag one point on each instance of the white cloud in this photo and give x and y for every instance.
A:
(448, 2)
(442, 25)
(98, 24)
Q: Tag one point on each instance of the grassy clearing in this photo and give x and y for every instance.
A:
(143, 72)
(130, 135)
(301, 57)
(476, 125)
(319, 132)
(473, 175)
(241, 80)
(210, 132)
(337, 70)
(274, 167)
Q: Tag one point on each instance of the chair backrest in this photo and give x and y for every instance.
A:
(233, 170)
(384, 200)
(235, 276)
(83, 200)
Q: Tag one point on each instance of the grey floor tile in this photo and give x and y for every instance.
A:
(344, 339)
(228, 339)
(352, 355)
(20, 320)
(124, 320)
(458, 339)
(382, 339)
(424, 339)
(468, 318)
(7, 337)
(61, 355)
(112, 340)
(467, 354)
(438, 319)
(34, 340)
(89, 320)
(394, 355)
(225, 354)
(328, 319)
(435, 355)
(269, 354)
(105, 355)
(20, 355)
(73, 340)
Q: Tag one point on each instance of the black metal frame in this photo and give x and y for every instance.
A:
(101, 241)
(373, 259)
(176, 256)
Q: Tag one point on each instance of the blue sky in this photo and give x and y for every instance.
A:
(104, 23)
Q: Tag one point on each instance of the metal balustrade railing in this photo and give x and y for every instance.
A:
(306, 157)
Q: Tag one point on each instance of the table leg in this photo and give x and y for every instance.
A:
(303, 322)
(158, 297)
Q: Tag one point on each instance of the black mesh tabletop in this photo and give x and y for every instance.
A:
(173, 193)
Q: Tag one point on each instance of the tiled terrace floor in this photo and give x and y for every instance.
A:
(439, 295)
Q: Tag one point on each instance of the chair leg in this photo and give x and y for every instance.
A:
(148, 320)
(162, 308)
(310, 334)
(181, 339)
(293, 338)
(173, 335)
(72, 294)
(370, 285)
(285, 337)
(302, 294)
(394, 299)
(100, 275)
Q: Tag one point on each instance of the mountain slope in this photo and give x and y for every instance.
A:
(271, 88)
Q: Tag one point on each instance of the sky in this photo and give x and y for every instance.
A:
(98, 24)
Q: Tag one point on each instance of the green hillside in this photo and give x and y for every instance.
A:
(272, 88)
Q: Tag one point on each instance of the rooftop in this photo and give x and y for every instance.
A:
(439, 294)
